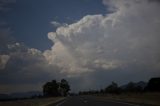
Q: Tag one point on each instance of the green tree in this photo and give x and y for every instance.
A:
(64, 87)
(55, 88)
(112, 88)
(51, 88)
(130, 87)
(153, 84)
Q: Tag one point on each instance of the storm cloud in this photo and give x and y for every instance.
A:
(126, 40)
(121, 46)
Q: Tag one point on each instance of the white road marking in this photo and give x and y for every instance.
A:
(59, 104)
(52, 102)
(125, 103)
(85, 101)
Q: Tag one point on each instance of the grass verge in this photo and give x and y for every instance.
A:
(32, 102)
(140, 98)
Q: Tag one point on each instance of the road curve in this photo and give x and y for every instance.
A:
(91, 101)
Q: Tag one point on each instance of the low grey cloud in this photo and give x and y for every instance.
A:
(22, 66)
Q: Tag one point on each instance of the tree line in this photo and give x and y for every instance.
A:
(153, 85)
(50, 89)
(54, 88)
(62, 88)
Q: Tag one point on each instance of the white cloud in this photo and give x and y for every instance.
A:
(34, 51)
(129, 35)
(14, 45)
(57, 24)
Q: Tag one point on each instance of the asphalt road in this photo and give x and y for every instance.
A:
(91, 101)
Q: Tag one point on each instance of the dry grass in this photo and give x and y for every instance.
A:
(142, 98)
(32, 102)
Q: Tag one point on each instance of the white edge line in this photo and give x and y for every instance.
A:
(125, 103)
(61, 103)
(52, 102)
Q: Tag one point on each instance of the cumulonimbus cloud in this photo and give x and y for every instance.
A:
(92, 51)
(128, 35)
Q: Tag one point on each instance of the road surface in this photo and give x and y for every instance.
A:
(91, 101)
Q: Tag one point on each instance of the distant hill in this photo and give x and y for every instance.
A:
(4, 96)
(20, 95)
(141, 84)
(25, 94)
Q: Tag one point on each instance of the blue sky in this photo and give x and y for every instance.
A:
(30, 20)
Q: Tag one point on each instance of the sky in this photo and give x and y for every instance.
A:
(88, 42)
